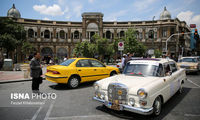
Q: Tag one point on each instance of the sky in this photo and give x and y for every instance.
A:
(113, 10)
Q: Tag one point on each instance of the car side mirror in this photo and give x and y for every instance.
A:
(168, 73)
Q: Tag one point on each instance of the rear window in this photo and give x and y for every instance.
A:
(68, 62)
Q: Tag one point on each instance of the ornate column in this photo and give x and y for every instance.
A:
(83, 28)
(101, 27)
(115, 33)
(54, 51)
(38, 31)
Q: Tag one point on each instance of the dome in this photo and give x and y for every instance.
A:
(13, 12)
(165, 14)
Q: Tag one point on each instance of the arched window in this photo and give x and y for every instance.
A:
(108, 34)
(151, 34)
(76, 35)
(30, 33)
(62, 34)
(122, 34)
(164, 32)
(46, 34)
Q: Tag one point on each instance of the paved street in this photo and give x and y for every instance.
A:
(72, 104)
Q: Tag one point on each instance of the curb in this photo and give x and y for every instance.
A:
(13, 81)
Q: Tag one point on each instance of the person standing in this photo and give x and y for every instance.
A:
(128, 58)
(65, 58)
(36, 72)
(123, 61)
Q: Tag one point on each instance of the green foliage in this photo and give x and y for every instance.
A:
(27, 47)
(8, 42)
(132, 45)
(157, 53)
(98, 45)
(85, 49)
(12, 34)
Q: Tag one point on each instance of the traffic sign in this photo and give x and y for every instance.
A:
(121, 46)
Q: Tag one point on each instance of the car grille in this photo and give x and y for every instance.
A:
(117, 91)
(186, 67)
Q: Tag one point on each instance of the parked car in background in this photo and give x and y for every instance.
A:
(78, 70)
(191, 64)
(143, 87)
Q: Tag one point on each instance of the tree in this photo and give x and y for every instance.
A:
(12, 35)
(27, 48)
(100, 46)
(8, 42)
(132, 45)
(157, 53)
(85, 49)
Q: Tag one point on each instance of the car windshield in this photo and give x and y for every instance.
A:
(188, 60)
(67, 62)
(141, 70)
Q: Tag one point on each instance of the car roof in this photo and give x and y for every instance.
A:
(82, 58)
(154, 61)
(189, 57)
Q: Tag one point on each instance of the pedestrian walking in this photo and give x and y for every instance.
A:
(36, 72)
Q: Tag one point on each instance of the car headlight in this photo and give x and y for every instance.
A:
(96, 87)
(132, 101)
(193, 67)
(141, 93)
(102, 96)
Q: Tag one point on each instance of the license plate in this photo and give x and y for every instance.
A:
(115, 107)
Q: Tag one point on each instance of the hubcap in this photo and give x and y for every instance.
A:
(74, 82)
(157, 107)
(180, 89)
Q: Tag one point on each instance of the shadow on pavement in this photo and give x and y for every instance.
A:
(65, 87)
(166, 109)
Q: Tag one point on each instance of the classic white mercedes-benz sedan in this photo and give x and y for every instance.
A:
(143, 87)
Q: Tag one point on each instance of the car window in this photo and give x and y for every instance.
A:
(67, 62)
(188, 60)
(167, 69)
(140, 70)
(160, 71)
(173, 67)
(95, 63)
(83, 63)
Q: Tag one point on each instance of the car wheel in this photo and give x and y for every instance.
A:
(113, 73)
(157, 106)
(180, 90)
(73, 82)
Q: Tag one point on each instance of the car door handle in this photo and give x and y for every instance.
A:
(79, 70)
(95, 69)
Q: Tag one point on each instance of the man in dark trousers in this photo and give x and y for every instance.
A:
(36, 72)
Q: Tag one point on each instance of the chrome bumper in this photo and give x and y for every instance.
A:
(191, 70)
(142, 111)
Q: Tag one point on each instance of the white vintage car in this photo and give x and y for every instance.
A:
(142, 88)
(191, 64)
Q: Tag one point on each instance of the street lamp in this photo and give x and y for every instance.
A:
(171, 37)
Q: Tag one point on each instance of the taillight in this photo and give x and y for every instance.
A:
(118, 66)
(48, 70)
(56, 72)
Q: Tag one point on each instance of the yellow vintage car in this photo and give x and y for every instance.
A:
(78, 70)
